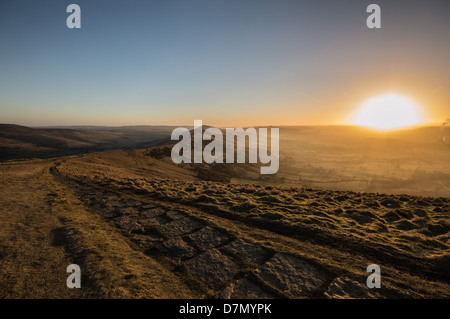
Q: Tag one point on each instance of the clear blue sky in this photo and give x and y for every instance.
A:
(233, 62)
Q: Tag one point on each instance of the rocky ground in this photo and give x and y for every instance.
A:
(136, 235)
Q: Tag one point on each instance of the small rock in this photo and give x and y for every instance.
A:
(246, 251)
(128, 224)
(208, 237)
(212, 268)
(179, 227)
(176, 249)
(294, 277)
(145, 241)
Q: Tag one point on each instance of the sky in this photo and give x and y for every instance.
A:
(228, 63)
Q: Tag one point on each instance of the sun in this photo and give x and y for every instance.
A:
(388, 112)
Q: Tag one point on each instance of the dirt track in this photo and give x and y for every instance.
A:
(44, 228)
(31, 265)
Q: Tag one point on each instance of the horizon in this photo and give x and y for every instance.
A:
(425, 125)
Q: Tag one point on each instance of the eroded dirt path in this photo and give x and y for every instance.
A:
(211, 256)
(44, 228)
(31, 265)
(221, 257)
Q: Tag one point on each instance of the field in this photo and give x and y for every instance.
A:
(412, 161)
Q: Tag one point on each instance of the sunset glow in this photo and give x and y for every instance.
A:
(387, 112)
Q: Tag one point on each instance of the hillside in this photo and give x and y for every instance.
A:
(140, 226)
(18, 142)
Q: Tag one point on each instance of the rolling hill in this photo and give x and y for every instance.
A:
(24, 142)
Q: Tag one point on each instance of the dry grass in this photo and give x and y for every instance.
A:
(112, 212)
(51, 229)
(340, 231)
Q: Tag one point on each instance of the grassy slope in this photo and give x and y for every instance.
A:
(46, 224)
(341, 231)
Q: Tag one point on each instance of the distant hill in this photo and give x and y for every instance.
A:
(25, 142)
